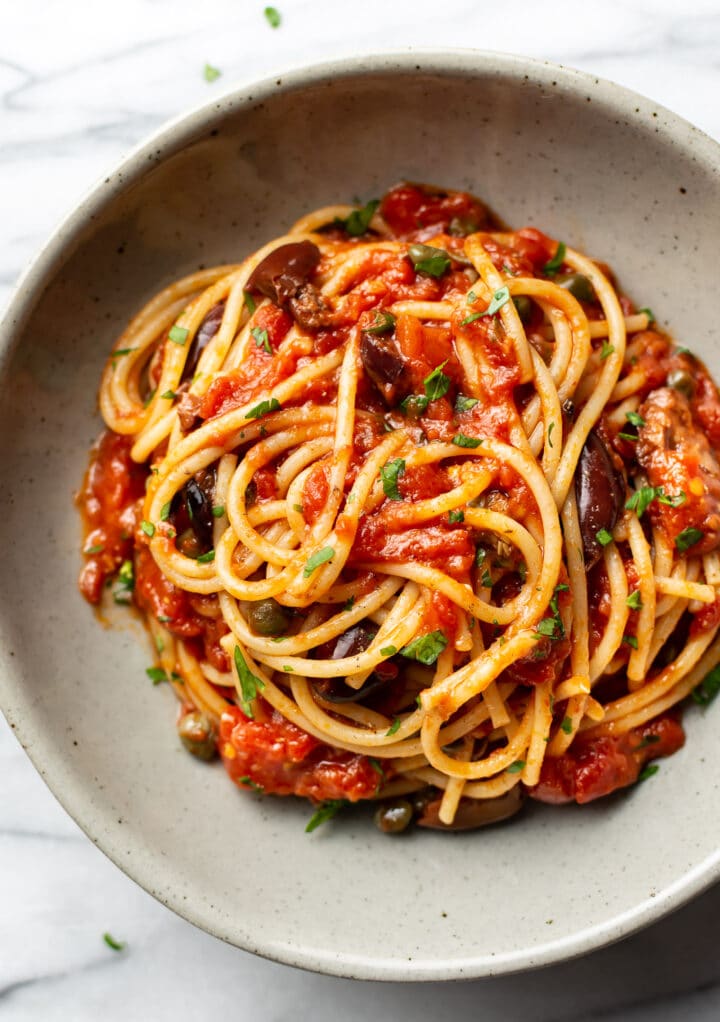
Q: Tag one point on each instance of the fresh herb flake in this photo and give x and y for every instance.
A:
(383, 323)
(157, 675)
(273, 17)
(206, 558)
(388, 651)
(96, 549)
(250, 684)
(394, 728)
(165, 511)
(566, 726)
(114, 945)
(649, 771)
(630, 640)
(687, 538)
(606, 350)
(147, 527)
(551, 268)
(426, 648)
(461, 440)
(430, 260)
(359, 220)
(707, 690)
(210, 73)
(178, 334)
(516, 767)
(324, 812)
(249, 302)
(436, 383)
(634, 600)
(271, 405)
(261, 339)
(464, 404)
(603, 537)
(649, 313)
(389, 474)
(319, 557)
(456, 516)
(635, 419)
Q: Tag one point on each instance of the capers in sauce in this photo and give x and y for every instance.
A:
(524, 307)
(267, 617)
(681, 379)
(197, 733)
(578, 285)
(394, 817)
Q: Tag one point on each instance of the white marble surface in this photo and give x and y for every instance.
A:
(80, 83)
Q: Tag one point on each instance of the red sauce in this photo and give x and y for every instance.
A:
(284, 760)
(408, 209)
(594, 767)
(109, 503)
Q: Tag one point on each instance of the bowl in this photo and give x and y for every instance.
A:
(592, 163)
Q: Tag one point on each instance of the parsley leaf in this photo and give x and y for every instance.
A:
(261, 339)
(635, 419)
(430, 260)
(359, 220)
(460, 440)
(566, 725)
(206, 558)
(273, 17)
(324, 812)
(114, 945)
(551, 268)
(319, 557)
(147, 527)
(383, 323)
(436, 383)
(178, 335)
(500, 298)
(464, 404)
(394, 727)
(634, 601)
(603, 537)
(649, 771)
(516, 767)
(96, 549)
(687, 538)
(125, 583)
(157, 675)
(426, 648)
(271, 405)
(390, 473)
(675, 500)
(630, 640)
(249, 302)
(642, 499)
(707, 690)
(649, 313)
(456, 516)
(606, 350)
(250, 684)
(388, 651)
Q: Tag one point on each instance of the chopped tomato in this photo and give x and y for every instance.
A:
(594, 767)
(408, 208)
(284, 760)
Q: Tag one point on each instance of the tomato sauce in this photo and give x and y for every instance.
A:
(282, 759)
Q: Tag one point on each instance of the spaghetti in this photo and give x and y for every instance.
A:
(417, 509)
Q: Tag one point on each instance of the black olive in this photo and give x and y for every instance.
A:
(283, 272)
(205, 333)
(335, 690)
(384, 364)
(197, 733)
(600, 495)
(191, 514)
(394, 817)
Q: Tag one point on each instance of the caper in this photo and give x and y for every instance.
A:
(680, 379)
(197, 733)
(394, 817)
(267, 617)
(524, 307)
(578, 285)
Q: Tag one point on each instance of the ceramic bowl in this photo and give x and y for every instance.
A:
(610, 172)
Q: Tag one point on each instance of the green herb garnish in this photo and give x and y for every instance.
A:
(325, 812)
(394, 727)
(706, 691)
(115, 945)
(461, 440)
(178, 335)
(250, 684)
(687, 538)
(389, 474)
(430, 260)
(147, 527)
(319, 557)
(272, 16)
(271, 405)
(603, 537)
(634, 600)
(426, 648)
(464, 404)
(551, 268)
(383, 323)
(261, 339)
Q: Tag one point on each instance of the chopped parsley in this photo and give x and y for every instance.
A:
(349, 604)
(261, 339)
(516, 767)
(456, 516)
(359, 220)
(426, 648)
(249, 302)
(383, 323)
(394, 727)
(169, 395)
(641, 500)
(114, 945)
(550, 268)
(250, 684)
(165, 511)
(649, 313)
(630, 640)
(461, 440)
(157, 675)
(273, 17)
(566, 726)
(706, 691)
(500, 298)
(250, 783)
(319, 557)
(649, 771)
(603, 537)
(389, 474)
(120, 351)
(324, 812)
(635, 419)
(606, 350)
(147, 527)
(388, 651)
(218, 511)
(271, 405)
(687, 538)
(178, 334)
(210, 73)
(206, 558)
(675, 500)
(634, 601)
(96, 549)
(436, 383)
(125, 583)
(430, 260)
(464, 404)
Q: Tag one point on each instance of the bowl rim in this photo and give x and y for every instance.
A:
(167, 139)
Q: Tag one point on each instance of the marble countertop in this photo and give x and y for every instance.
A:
(80, 84)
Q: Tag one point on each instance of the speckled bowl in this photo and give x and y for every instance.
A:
(605, 169)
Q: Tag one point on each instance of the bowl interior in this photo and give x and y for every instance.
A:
(590, 163)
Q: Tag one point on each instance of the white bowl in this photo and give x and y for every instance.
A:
(592, 163)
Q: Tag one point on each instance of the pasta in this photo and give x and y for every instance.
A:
(418, 510)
